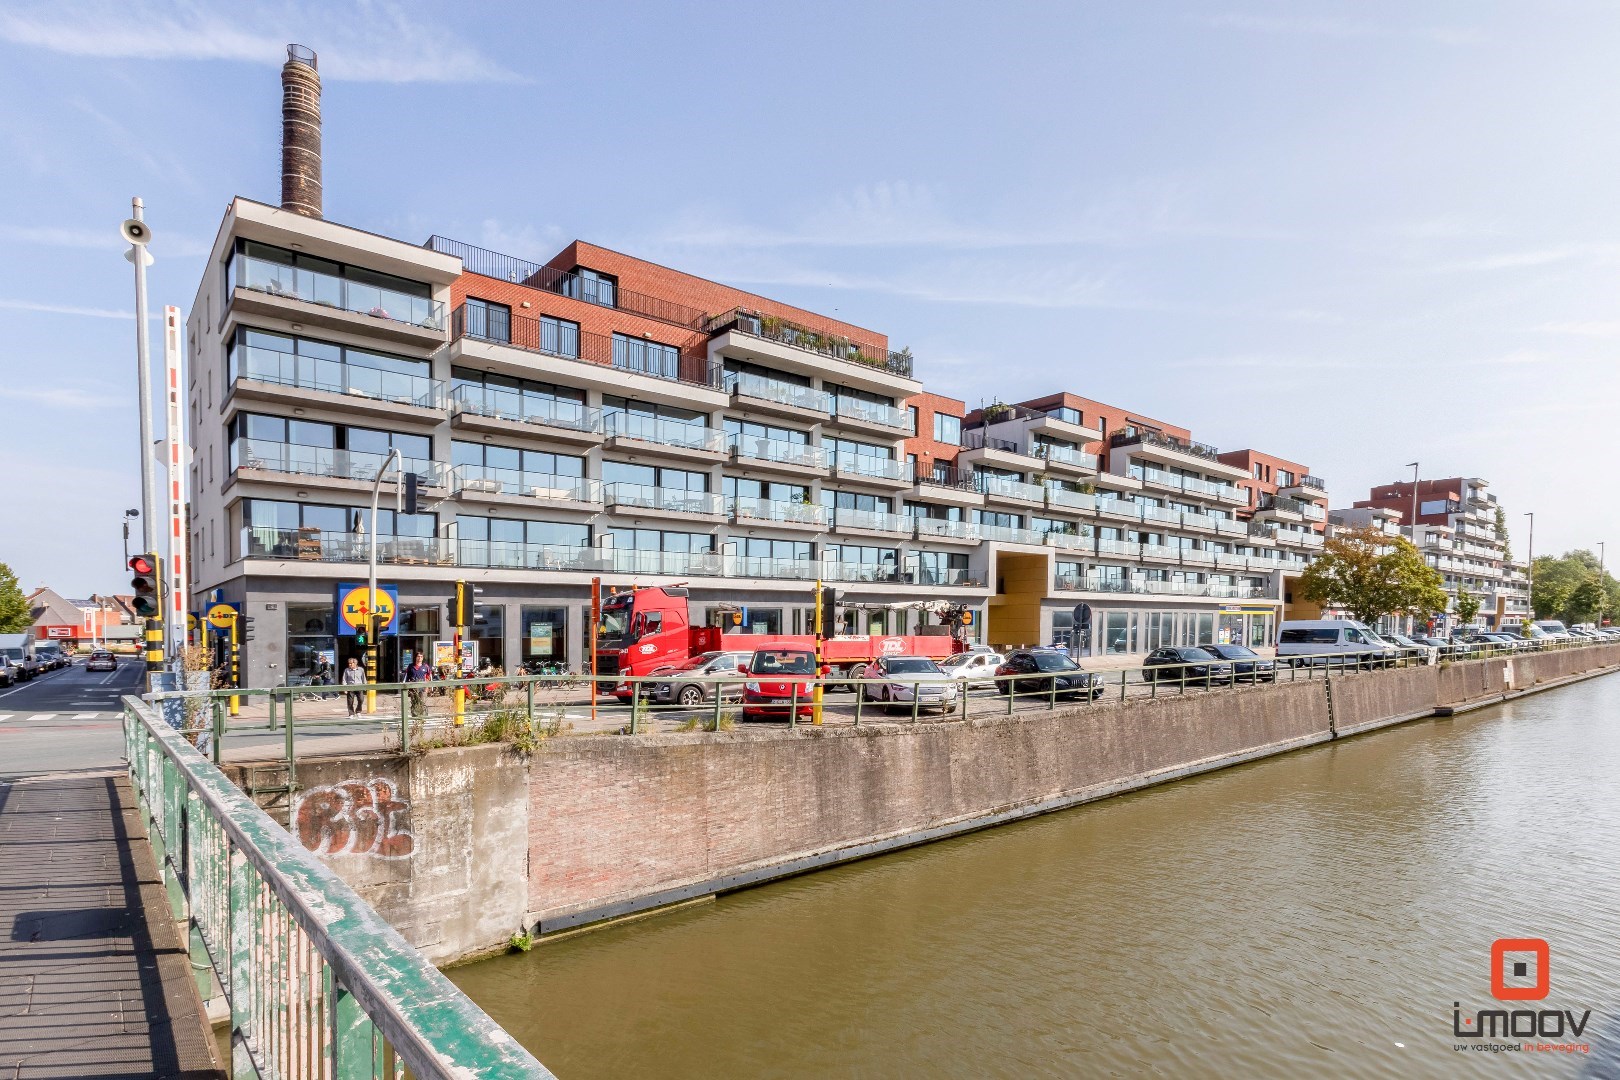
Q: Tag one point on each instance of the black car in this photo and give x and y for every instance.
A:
(1042, 671)
(1247, 665)
(1185, 665)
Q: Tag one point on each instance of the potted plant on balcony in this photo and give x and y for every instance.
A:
(996, 411)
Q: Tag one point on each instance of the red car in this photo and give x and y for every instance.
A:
(775, 678)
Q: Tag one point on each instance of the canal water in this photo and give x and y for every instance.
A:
(1316, 914)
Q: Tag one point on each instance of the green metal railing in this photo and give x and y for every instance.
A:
(318, 984)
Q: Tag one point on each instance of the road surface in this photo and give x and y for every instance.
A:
(66, 719)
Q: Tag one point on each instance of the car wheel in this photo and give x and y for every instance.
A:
(690, 695)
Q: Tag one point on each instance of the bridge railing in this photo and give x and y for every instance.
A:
(319, 985)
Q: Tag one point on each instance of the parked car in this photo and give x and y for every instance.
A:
(49, 656)
(1042, 671)
(1412, 648)
(1189, 665)
(904, 680)
(1306, 642)
(1584, 634)
(1247, 665)
(19, 650)
(977, 668)
(775, 677)
(1553, 629)
(693, 683)
(9, 675)
(1441, 646)
(102, 660)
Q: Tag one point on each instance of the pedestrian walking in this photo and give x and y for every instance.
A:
(419, 672)
(354, 675)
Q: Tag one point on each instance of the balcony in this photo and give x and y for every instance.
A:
(945, 484)
(981, 448)
(950, 531)
(1127, 549)
(668, 438)
(749, 566)
(501, 411)
(870, 416)
(1200, 522)
(800, 459)
(1063, 499)
(665, 563)
(1066, 430)
(319, 299)
(637, 498)
(1161, 552)
(1070, 542)
(510, 555)
(846, 520)
(882, 472)
(600, 361)
(1174, 451)
(1198, 556)
(779, 398)
(868, 573)
(1158, 478)
(1127, 509)
(750, 511)
(487, 483)
(1006, 490)
(1064, 458)
(1306, 487)
(313, 545)
(778, 338)
(347, 468)
(292, 379)
(1161, 515)
(1005, 534)
(1231, 561)
(1231, 527)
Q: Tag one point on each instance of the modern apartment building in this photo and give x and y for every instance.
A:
(1457, 528)
(600, 416)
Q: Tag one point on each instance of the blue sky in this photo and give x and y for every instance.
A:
(1355, 235)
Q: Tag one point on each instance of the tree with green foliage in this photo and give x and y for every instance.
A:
(1572, 588)
(1467, 607)
(15, 614)
(1371, 574)
(1502, 535)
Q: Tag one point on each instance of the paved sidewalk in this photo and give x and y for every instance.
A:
(94, 980)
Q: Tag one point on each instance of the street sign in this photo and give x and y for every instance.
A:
(220, 616)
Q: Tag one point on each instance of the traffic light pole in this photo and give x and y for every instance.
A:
(816, 687)
(395, 461)
(236, 663)
(460, 620)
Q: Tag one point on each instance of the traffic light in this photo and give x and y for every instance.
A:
(146, 582)
(246, 623)
(464, 605)
(413, 489)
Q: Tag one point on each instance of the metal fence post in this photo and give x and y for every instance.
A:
(529, 686)
(916, 700)
(219, 727)
(793, 708)
(719, 699)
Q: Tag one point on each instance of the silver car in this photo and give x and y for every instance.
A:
(897, 679)
(693, 683)
(974, 668)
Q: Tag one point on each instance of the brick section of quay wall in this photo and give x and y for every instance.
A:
(460, 848)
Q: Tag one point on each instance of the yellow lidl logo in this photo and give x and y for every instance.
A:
(220, 616)
(352, 607)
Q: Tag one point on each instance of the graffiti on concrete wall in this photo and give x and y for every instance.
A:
(355, 817)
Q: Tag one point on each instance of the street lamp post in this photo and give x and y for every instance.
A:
(1603, 592)
(127, 515)
(1414, 522)
(393, 460)
(1530, 565)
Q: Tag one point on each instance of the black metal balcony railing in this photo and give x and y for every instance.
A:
(541, 336)
(978, 440)
(564, 283)
(1164, 442)
(1315, 483)
(945, 477)
(771, 328)
(1281, 503)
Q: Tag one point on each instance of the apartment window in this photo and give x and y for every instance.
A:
(264, 434)
(487, 320)
(741, 487)
(624, 472)
(997, 517)
(747, 429)
(314, 530)
(933, 512)
(854, 500)
(948, 429)
(1285, 478)
(941, 567)
(643, 420)
(912, 410)
(754, 547)
(647, 357)
(591, 286)
(508, 542)
(534, 462)
(660, 540)
(858, 449)
(319, 365)
(1066, 414)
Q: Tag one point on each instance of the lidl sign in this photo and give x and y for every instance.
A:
(353, 606)
(221, 615)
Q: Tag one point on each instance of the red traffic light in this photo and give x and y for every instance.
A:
(141, 564)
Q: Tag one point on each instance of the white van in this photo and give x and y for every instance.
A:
(1302, 642)
(1554, 629)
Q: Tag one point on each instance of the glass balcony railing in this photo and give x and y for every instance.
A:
(924, 574)
(1197, 555)
(641, 496)
(511, 555)
(877, 467)
(750, 566)
(1064, 455)
(327, 290)
(676, 563)
(1117, 547)
(324, 461)
(503, 404)
(861, 572)
(1070, 500)
(1067, 541)
(1197, 521)
(747, 385)
(1160, 551)
(663, 432)
(873, 520)
(798, 513)
(1010, 489)
(489, 480)
(1160, 513)
(317, 546)
(1006, 534)
(1231, 526)
(872, 413)
(335, 377)
(930, 528)
(779, 451)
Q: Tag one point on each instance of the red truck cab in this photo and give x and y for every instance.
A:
(776, 679)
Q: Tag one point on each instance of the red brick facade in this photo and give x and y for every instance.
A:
(924, 446)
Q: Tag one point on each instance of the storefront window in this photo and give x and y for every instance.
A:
(762, 621)
(544, 636)
(1114, 633)
(490, 633)
(310, 637)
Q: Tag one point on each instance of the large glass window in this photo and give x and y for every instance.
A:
(948, 429)
(544, 636)
(482, 541)
(742, 487)
(489, 630)
(857, 449)
(311, 638)
(625, 472)
(271, 528)
(941, 567)
(747, 429)
(648, 357)
(590, 286)
(854, 500)
(660, 540)
(538, 462)
(287, 360)
(487, 320)
(504, 395)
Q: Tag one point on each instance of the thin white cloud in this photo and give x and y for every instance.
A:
(1595, 253)
(1582, 329)
(61, 397)
(370, 41)
(1343, 29)
(66, 309)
